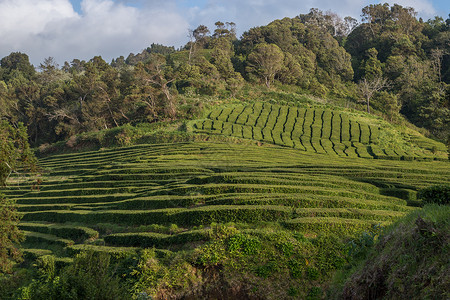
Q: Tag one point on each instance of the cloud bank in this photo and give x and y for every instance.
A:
(52, 28)
(43, 28)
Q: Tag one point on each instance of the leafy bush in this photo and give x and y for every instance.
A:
(439, 194)
(91, 276)
(168, 280)
(10, 235)
(331, 253)
(360, 246)
(244, 244)
(266, 270)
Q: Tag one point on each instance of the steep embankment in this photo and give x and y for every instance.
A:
(410, 261)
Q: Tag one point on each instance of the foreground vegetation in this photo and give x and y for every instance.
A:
(217, 219)
(409, 261)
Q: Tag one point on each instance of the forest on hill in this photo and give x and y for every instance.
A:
(391, 63)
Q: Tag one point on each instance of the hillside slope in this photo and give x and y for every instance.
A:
(410, 260)
(320, 130)
(173, 197)
(256, 201)
(191, 184)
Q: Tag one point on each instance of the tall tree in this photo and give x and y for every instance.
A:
(372, 67)
(201, 35)
(17, 61)
(198, 39)
(387, 103)
(157, 77)
(266, 60)
(227, 29)
(15, 153)
(221, 58)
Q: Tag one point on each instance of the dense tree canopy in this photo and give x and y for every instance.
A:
(266, 60)
(319, 52)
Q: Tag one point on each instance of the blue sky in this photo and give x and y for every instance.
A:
(68, 29)
(442, 7)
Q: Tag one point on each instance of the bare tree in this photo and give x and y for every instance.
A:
(368, 87)
(350, 24)
(329, 21)
(437, 56)
(191, 44)
(154, 73)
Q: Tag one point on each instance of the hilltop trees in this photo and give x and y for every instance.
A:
(93, 100)
(317, 52)
(412, 55)
(158, 75)
(133, 59)
(14, 63)
(313, 52)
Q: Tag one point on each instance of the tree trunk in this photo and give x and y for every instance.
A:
(170, 105)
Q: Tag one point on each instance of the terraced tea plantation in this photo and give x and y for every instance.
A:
(167, 195)
(314, 130)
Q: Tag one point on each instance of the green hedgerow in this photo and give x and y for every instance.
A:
(439, 194)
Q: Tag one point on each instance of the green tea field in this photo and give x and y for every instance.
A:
(318, 130)
(167, 195)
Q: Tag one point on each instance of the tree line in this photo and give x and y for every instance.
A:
(391, 61)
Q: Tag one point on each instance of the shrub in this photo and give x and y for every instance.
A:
(10, 235)
(331, 253)
(153, 278)
(91, 276)
(244, 244)
(409, 260)
(439, 194)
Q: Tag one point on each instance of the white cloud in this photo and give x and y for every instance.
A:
(52, 28)
(19, 18)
